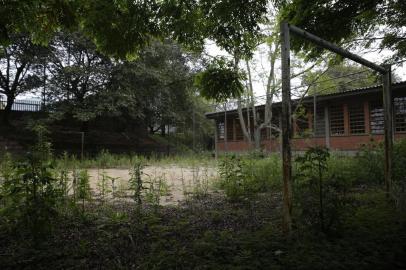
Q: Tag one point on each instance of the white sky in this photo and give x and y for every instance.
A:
(260, 64)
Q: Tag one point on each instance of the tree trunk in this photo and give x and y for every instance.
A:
(257, 138)
(163, 131)
(7, 110)
(84, 126)
(242, 123)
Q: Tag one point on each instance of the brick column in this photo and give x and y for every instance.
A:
(346, 120)
(234, 130)
(327, 126)
(366, 118)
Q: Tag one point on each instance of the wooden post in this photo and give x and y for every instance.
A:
(215, 140)
(83, 144)
(225, 127)
(314, 116)
(44, 87)
(389, 134)
(193, 129)
(286, 130)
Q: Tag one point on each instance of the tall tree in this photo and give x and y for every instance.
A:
(156, 87)
(77, 73)
(343, 20)
(16, 74)
(339, 78)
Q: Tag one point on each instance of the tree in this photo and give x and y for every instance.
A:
(18, 76)
(220, 81)
(123, 28)
(339, 78)
(343, 20)
(156, 88)
(78, 74)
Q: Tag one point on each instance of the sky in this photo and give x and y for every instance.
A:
(260, 64)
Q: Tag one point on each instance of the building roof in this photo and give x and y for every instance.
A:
(326, 97)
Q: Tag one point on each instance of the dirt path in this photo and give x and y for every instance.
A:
(180, 181)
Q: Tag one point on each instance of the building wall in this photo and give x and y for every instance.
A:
(350, 137)
(338, 143)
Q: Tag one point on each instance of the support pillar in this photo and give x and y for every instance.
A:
(286, 130)
(389, 134)
(327, 126)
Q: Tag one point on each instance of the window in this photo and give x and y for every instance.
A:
(376, 117)
(320, 125)
(264, 133)
(220, 130)
(357, 121)
(230, 129)
(337, 120)
(400, 114)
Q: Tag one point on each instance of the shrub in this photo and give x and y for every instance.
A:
(243, 177)
(135, 182)
(318, 187)
(369, 163)
(29, 190)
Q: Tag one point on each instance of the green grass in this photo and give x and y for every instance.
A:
(108, 160)
(212, 231)
(215, 234)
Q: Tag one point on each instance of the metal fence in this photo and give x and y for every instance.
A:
(23, 105)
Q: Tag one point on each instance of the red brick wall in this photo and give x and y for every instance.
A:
(343, 143)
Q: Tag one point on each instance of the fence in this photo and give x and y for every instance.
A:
(23, 105)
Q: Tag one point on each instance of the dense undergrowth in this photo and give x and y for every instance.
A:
(343, 218)
(106, 160)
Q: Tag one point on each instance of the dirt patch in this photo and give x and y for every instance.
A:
(181, 181)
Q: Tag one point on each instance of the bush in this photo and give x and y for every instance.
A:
(244, 177)
(318, 187)
(30, 193)
(369, 164)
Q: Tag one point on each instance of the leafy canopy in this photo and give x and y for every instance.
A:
(220, 81)
(121, 28)
(339, 78)
(341, 20)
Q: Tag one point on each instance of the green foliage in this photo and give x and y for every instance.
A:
(155, 88)
(18, 60)
(338, 79)
(122, 28)
(316, 187)
(342, 20)
(243, 178)
(220, 81)
(369, 164)
(83, 191)
(228, 24)
(155, 188)
(29, 193)
(74, 61)
(135, 182)
(103, 185)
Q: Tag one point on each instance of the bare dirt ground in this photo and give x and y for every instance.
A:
(181, 181)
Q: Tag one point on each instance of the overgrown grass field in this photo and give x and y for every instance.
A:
(52, 217)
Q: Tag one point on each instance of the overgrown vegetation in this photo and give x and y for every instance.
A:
(51, 218)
